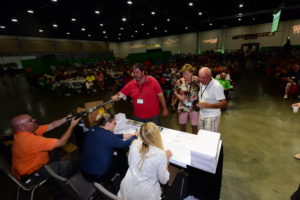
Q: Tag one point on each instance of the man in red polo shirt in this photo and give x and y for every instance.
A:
(147, 96)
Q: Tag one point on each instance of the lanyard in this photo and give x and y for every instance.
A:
(188, 90)
(141, 87)
(201, 92)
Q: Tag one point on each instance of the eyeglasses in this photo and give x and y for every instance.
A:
(30, 120)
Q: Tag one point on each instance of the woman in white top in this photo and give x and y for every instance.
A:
(148, 166)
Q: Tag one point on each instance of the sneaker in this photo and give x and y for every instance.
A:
(285, 96)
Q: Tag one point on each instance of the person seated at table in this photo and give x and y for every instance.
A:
(225, 83)
(98, 161)
(100, 79)
(148, 166)
(227, 77)
(30, 151)
(89, 82)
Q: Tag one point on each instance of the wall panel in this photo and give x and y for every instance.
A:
(8, 46)
(36, 46)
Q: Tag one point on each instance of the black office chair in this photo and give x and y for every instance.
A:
(105, 193)
(5, 167)
(77, 186)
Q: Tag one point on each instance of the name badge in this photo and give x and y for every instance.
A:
(188, 104)
(140, 101)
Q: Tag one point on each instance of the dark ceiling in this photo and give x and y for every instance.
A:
(171, 17)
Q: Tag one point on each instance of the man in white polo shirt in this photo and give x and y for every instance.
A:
(211, 100)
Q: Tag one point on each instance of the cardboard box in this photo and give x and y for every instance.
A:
(90, 119)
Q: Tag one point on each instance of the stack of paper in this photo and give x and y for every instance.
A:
(179, 144)
(200, 151)
(121, 126)
(205, 154)
(121, 118)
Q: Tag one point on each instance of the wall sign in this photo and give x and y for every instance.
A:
(296, 29)
(155, 45)
(252, 36)
(210, 41)
(171, 42)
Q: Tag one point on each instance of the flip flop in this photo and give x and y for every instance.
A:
(297, 156)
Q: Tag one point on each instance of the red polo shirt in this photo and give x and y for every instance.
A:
(148, 93)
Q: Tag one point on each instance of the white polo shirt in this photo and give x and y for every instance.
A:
(211, 93)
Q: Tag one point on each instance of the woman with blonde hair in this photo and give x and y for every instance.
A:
(186, 90)
(148, 166)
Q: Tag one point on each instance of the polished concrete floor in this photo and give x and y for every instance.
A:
(260, 134)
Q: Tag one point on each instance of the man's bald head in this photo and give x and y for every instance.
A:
(23, 122)
(205, 71)
(205, 75)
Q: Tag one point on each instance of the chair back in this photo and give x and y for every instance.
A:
(107, 194)
(5, 167)
(29, 186)
(76, 187)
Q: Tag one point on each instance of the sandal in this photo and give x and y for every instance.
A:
(297, 156)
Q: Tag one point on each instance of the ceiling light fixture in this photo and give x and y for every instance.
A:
(55, 25)
(14, 20)
(129, 2)
(155, 28)
(191, 3)
(68, 33)
(136, 31)
(152, 13)
(101, 24)
(124, 19)
(210, 24)
(186, 28)
(241, 5)
(168, 19)
(2, 27)
(132, 36)
(83, 29)
(147, 33)
(30, 11)
(73, 19)
(122, 28)
(54, 1)
(41, 30)
(119, 34)
(97, 12)
(200, 13)
(166, 31)
(104, 32)
(89, 35)
(142, 24)
(105, 37)
(240, 19)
